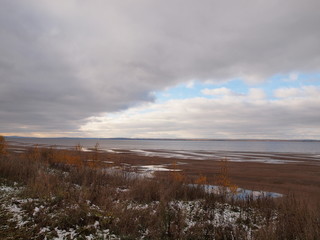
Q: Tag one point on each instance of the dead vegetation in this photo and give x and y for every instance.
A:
(75, 194)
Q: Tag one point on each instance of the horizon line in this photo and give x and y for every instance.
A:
(171, 139)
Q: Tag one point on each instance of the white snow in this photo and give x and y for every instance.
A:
(7, 189)
(12, 204)
(85, 149)
(96, 224)
(264, 160)
(109, 162)
(157, 168)
(63, 234)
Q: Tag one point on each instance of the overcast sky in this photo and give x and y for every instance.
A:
(146, 68)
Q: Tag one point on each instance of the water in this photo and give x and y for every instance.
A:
(307, 147)
(239, 194)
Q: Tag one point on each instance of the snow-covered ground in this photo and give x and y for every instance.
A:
(23, 216)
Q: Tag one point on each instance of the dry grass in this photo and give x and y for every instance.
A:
(132, 207)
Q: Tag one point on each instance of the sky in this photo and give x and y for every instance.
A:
(160, 69)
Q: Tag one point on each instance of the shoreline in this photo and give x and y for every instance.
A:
(259, 171)
(301, 178)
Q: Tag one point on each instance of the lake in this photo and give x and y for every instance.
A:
(312, 147)
(276, 152)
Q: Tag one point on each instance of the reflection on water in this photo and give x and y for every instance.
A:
(239, 145)
(275, 152)
(240, 192)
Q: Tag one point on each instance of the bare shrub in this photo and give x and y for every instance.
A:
(18, 169)
(3, 146)
(136, 207)
(223, 179)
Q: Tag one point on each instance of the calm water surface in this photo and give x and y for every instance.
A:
(308, 147)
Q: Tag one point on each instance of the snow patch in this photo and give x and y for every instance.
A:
(158, 168)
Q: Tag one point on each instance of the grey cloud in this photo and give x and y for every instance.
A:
(217, 118)
(62, 62)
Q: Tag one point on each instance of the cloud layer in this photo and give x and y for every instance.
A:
(229, 116)
(62, 62)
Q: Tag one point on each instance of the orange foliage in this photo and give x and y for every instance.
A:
(34, 153)
(233, 188)
(201, 180)
(93, 164)
(223, 178)
(67, 157)
(178, 176)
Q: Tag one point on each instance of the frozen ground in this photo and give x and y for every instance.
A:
(39, 219)
(44, 218)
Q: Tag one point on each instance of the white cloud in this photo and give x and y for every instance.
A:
(245, 117)
(287, 92)
(256, 94)
(190, 84)
(293, 76)
(219, 91)
(304, 91)
(253, 94)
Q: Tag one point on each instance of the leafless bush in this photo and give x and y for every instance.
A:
(142, 207)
